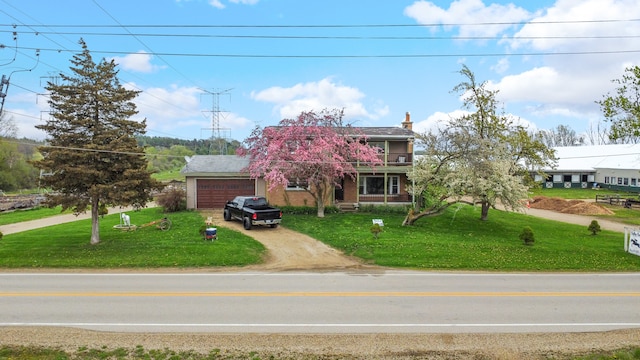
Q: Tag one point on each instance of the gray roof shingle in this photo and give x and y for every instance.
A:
(211, 165)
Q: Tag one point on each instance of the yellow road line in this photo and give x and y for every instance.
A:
(321, 294)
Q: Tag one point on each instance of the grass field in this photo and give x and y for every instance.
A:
(67, 245)
(458, 240)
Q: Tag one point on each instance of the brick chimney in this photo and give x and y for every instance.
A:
(407, 124)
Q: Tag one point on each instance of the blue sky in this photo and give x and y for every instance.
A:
(272, 59)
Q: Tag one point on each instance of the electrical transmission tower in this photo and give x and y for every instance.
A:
(219, 135)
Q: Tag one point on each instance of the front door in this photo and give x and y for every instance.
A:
(339, 192)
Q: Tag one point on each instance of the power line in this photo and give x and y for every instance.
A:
(329, 26)
(341, 37)
(142, 43)
(324, 56)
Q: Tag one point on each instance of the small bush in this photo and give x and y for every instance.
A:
(307, 210)
(594, 227)
(384, 209)
(527, 235)
(376, 229)
(1, 235)
(172, 200)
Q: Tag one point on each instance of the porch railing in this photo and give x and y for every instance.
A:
(397, 158)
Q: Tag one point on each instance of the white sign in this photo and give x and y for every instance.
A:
(378, 221)
(633, 245)
(632, 241)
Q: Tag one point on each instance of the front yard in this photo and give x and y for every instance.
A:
(456, 240)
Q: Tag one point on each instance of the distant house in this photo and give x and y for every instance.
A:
(211, 180)
(614, 166)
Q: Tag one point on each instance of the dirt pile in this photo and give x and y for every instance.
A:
(577, 207)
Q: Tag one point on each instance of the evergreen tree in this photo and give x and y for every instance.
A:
(92, 155)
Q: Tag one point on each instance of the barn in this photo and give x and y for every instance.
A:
(212, 180)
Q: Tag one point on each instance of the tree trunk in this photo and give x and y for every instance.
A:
(485, 210)
(95, 221)
(321, 209)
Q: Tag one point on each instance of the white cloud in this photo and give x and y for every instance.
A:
(316, 96)
(501, 66)
(468, 12)
(140, 62)
(570, 20)
(438, 119)
(216, 4)
(245, 2)
(585, 51)
(219, 5)
(179, 109)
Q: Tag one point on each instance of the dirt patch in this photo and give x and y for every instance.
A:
(290, 250)
(578, 207)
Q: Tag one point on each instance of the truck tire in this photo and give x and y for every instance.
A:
(227, 215)
(246, 223)
(273, 226)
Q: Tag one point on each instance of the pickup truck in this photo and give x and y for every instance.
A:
(252, 210)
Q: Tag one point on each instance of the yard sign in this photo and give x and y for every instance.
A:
(632, 241)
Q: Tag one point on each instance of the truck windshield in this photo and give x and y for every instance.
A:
(255, 202)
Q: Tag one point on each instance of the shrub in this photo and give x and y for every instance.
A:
(376, 229)
(594, 227)
(1, 235)
(384, 209)
(527, 235)
(172, 200)
(307, 210)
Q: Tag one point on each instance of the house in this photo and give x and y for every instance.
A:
(211, 180)
(614, 166)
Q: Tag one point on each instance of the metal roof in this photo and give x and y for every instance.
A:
(589, 158)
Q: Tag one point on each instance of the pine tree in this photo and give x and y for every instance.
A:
(92, 153)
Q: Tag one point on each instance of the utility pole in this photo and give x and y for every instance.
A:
(217, 137)
(6, 80)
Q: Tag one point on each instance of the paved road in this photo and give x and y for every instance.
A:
(334, 302)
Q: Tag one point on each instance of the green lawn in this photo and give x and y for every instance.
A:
(580, 194)
(458, 240)
(67, 245)
(17, 216)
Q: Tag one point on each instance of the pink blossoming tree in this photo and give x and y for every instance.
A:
(314, 149)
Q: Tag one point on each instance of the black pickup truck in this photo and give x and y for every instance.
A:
(252, 210)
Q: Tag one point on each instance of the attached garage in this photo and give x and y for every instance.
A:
(214, 193)
(212, 180)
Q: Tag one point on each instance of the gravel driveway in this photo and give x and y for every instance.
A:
(288, 251)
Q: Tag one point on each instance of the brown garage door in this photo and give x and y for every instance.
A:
(214, 193)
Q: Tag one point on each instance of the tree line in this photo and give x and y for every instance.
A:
(163, 154)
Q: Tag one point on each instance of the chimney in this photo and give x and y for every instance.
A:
(407, 124)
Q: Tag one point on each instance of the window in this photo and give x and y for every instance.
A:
(557, 178)
(296, 185)
(606, 180)
(377, 144)
(633, 182)
(374, 185)
(625, 182)
(619, 181)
